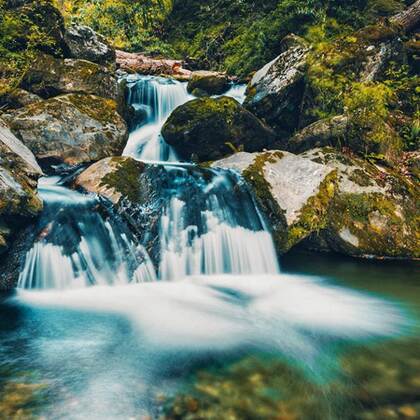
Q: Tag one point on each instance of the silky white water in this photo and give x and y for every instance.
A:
(77, 247)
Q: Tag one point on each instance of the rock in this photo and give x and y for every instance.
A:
(374, 212)
(140, 63)
(70, 129)
(293, 192)
(84, 43)
(19, 202)
(325, 200)
(113, 178)
(49, 77)
(18, 98)
(208, 83)
(276, 91)
(212, 128)
(132, 187)
(326, 132)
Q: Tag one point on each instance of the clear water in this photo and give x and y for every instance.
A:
(90, 333)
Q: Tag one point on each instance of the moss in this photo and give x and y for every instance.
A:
(100, 109)
(359, 177)
(382, 226)
(313, 215)
(254, 174)
(125, 179)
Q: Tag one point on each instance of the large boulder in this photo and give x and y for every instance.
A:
(276, 91)
(293, 192)
(208, 83)
(70, 129)
(327, 201)
(49, 76)
(208, 129)
(19, 202)
(84, 43)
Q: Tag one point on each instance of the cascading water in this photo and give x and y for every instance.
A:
(211, 226)
(153, 99)
(78, 247)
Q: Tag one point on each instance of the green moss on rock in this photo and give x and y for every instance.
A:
(208, 128)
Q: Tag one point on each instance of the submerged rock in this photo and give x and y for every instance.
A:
(328, 201)
(84, 43)
(49, 77)
(19, 201)
(208, 83)
(70, 129)
(276, 91)
(209, 129)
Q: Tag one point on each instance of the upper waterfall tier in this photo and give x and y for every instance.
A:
(154, 99)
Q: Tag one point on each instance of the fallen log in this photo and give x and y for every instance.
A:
(140, 63)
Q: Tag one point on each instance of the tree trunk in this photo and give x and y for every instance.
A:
(409, 18)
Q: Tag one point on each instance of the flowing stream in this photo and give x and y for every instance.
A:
(99, 330)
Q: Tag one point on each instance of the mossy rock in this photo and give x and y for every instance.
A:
(293, 192)
(37, 24)
(70, 129)
(113, 178)
(276, 91)
(49, 77)
(375, 211)
(325, 200)
(208, 83)
(213, 128)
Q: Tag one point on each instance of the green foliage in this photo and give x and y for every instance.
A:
(367, 106)
(23, 32)
(128, 24)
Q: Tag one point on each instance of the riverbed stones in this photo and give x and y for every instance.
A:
(210, 128)
(325, 200)
(208, 83)
(70, 129)
(276, 91)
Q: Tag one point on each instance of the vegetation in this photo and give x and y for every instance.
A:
(129, 24)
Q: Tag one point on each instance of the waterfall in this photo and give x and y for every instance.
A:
(78, 247)
(153, 99)
(209, 222)
(207, 228)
